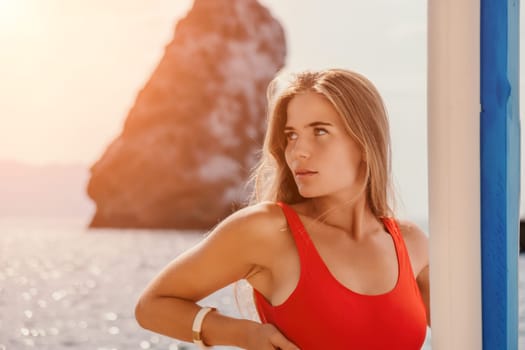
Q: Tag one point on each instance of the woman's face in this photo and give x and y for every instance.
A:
(323, 158)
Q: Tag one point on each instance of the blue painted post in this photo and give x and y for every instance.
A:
(500, 172)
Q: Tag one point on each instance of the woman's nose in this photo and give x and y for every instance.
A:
(301, 149)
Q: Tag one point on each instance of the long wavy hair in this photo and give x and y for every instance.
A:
(361, 108)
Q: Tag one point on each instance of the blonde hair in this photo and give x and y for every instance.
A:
(361, 107)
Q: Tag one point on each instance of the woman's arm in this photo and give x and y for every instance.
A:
(417, 244)
(424, 288)
(238, 246)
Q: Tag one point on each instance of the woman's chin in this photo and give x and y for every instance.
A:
(308, 194)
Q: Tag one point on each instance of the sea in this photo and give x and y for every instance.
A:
(64, 286)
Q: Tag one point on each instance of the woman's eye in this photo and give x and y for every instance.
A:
(320, 131)
(290, 136)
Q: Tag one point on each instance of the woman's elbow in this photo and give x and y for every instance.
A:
(141, 311)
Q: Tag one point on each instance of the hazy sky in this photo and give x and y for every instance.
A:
(70, 70)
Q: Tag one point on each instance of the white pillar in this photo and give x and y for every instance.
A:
(454, 173)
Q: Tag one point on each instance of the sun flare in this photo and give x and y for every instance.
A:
(11, 13)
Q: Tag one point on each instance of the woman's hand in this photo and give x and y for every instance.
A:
(268, 337)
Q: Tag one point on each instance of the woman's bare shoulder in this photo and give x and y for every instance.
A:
(263, 220)
(260, 211)
(412, 232)
(417, 243)
(259, 231)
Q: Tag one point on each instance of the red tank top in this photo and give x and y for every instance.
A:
(321, 313)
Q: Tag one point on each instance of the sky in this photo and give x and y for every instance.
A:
(70, 71)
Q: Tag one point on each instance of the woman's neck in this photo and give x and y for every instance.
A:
(354, 218)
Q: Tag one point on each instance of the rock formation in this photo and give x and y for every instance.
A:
(191, 138)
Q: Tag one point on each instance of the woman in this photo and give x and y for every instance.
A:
(329, 266)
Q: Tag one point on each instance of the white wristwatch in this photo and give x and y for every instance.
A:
(197, 324)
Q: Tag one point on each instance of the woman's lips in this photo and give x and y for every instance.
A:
(305, 173)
